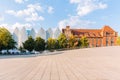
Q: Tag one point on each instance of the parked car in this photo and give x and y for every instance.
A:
(14, 51)
(4, 51)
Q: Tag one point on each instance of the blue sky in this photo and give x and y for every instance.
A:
(59, 13)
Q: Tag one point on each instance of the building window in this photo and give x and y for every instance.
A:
(100, 42)
(112, 41)
(106, 41)
(93, 42)
(115, 33)
(96, 42)
(107, 34)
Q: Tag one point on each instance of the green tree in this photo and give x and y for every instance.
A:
(50, 43)
(57, 46)
(6, 40)
(118, 41)
(29, 44)
(21, 49)
(39, 44)
(11, 44)
(71, 41)
(1, 45)
(79, 43)
(62, 40)
(84, 42)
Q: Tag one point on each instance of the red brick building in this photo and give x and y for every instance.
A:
(105, 36)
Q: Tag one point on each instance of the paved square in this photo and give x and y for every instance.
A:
(82, 64)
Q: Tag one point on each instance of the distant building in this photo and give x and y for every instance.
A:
(22, 35)
(41, 33)
(49, 33)
(33, 33)
(16, 36)
(97, 37)
(57, 33)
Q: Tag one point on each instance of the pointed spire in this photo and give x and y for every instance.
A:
(41, 33)
(22, 36)
(57, 33)
(32, 33)
(16, 36)
(49, 33)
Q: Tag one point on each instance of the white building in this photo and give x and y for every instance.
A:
(22, 35)
(16, 36)
(57, 33)
(49, 33)
(33, 33)
(41, 33)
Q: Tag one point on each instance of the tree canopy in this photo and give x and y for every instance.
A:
(71, 41)
(51, 43)
(62, 40)
(6, 40)
(39, 44)
(84, 42)
(118, 40)
(29, 44)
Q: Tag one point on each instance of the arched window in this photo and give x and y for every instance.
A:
(106, 41)
(112, 41)
(96, 42)
(93, 42)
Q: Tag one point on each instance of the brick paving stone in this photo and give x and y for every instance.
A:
(81, 64)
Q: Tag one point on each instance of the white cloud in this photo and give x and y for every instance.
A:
(85, 7)
(50, 9)
(11, 27)
(34, 17)
(19, 25)
(1, 18)
(75, 1)
(75, 22)
(8, 27)
(3, 25)
(12, 12)
(31, 8)
(20, 1)
(30, 13)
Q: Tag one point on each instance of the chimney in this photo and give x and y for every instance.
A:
(67, 27)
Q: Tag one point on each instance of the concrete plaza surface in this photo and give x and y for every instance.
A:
(81, 64)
